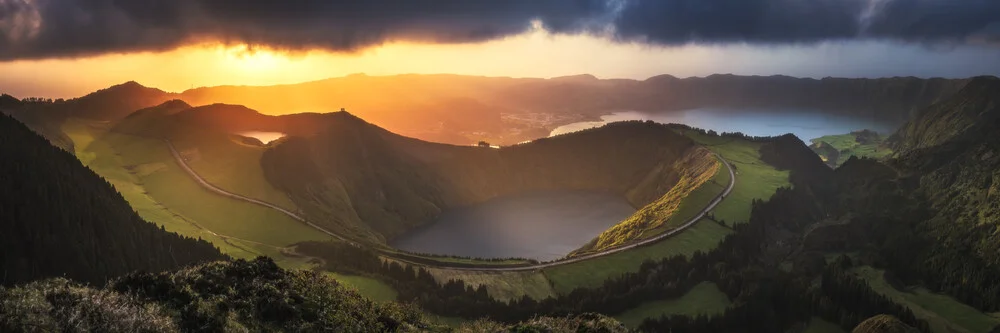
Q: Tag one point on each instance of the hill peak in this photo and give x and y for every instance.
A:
(576, 78)
(174, 104)
(9, 101)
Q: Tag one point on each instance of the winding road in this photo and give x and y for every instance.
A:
(711, 205)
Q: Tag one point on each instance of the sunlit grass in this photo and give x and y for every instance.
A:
(943, 313)
(503, 286)
(703, 236)
(704, 299)
(162, 194)
(848, 146)
(369, 287)
(685, 199)
(229, 165)
(754, 178)
(174, 188)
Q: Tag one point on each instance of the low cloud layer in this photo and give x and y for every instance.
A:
(31, 29)
(673, 22)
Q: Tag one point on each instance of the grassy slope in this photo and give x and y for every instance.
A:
(694, 201)
(103, 159)
(703, 236)
(372, 288)
(229, 165)
(501, 285)
(754, 180)
(682, 202)
(848, 146)
(942, 312)
(705, 298)
(818, 325)
(101, 156)
(172, 187)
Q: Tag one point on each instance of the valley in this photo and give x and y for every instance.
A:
(309, 189)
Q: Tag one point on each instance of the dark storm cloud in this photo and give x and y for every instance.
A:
(61, 28)
(53, 28)
(672, 22)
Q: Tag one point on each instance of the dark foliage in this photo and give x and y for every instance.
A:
(59, 218)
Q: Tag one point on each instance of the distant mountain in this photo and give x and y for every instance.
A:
(115, 102)
(466, 109)
(109, 104)
(404, 102)
(60, 219)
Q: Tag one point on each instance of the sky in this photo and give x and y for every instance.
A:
(67, 48)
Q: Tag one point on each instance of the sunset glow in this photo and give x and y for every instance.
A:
(534, 54)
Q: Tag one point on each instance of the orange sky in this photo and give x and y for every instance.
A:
(531, 55)
(534, 54)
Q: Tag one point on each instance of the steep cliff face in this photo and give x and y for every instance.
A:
(963, 118)
(954, 147)
(356, 172)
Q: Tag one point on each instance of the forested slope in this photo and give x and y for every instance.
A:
(59, 218)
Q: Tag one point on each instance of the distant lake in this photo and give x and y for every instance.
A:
(803, 123)
(542, 225)
(265, 137)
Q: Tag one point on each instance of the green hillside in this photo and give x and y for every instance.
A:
(145, 172)
(835, 149)
(62, 219)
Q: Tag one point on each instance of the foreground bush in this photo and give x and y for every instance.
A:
(235, 296)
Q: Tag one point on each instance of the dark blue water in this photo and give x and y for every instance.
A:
(543, 226)
(804, 124)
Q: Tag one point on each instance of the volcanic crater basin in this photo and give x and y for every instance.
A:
(544, 225)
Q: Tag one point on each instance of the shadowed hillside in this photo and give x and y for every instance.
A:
(109, 104)
(349, 175)
(928, 215)
(62, 219)
(355, 171)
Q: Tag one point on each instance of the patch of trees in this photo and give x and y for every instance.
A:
(40, 100)
(736, 135)
(60, 219)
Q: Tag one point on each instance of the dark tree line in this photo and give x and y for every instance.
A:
(59, 218)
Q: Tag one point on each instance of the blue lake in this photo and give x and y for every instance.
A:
(542, 225)
(804, 124)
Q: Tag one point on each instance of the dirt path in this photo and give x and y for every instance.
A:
(715, 202)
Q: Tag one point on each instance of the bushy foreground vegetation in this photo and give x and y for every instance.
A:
(236, 296)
